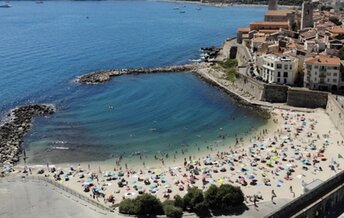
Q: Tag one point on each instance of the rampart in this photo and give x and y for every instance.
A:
(300, 97)
(336, 112)
(319, 202)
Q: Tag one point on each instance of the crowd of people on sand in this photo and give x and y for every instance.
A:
(273, 163)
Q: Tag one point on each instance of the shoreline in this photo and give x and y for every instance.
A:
(284, 139)
(14, 128)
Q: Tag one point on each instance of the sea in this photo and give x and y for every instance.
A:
(44, 47)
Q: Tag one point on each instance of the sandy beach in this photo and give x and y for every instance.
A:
(297, 149)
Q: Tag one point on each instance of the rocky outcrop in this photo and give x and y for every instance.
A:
(13, 131)
(103, 76)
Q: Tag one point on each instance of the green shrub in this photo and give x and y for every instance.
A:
(211, 196)
(129, 206)
(142, 205)
(341, 53)
(202, 209)
(149, 204)
(193, 197)
(335, 20)
(230, 196)
(173, 211)
(178, 201)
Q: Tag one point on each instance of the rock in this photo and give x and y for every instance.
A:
(12, 132)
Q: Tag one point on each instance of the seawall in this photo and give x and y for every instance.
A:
(106, 75)
(319, 202)
(14, 129)
(336, 113)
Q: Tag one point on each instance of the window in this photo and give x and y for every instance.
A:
(286, 67)
(278, 74)
(335, 68)
(335, 74)
(316, 73)
(334, 80)
(285, 80)
(272, 65)
(328, 74)
(316, 67)
(290, 67)
(328, 80)
(279, 66)
(285, 74)
(278, 80)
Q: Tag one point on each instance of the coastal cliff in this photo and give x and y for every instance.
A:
(13, 131)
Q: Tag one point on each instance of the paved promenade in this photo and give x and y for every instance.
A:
(38, 199)
(35, 199)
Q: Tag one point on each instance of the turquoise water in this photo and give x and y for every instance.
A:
(44, 46)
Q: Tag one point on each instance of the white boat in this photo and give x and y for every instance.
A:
(5, 6)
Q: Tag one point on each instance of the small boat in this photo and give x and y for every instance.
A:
(198, 9)
(39, 2)
(176, 8)
(5, 6)
(182, 12)
(60, 148)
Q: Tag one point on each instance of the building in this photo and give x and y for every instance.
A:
(272, 4)
(268, 27)
(322, 72)
(277, 69)
(280, 16)
(307, 14)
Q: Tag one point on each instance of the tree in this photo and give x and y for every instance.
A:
(149, 205)
(178, 201)
(341, 53)
(230, 196)
(211, 197)
(193, 197)
(129, 206)
(171, 210)
(335, 20)
(145, 204)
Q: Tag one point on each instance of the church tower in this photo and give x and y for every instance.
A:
(272, 5)
(307, 14)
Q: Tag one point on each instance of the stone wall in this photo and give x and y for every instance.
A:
(336, 113)
(275, 93)
(300, 97)
(249, 85)
(326, 198)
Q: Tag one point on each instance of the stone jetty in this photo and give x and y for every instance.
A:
(106, 75)
(12, 132)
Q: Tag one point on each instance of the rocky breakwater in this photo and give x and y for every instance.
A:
(14, 129)
(106, 75)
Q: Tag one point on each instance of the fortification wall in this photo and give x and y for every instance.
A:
(249, 85)
(320, 201)
(336, 112)
(299, 97)
(275, 93)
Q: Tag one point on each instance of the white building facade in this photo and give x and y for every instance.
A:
(277, 69)
(322, 72)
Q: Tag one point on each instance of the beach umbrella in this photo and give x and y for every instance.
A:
(220, 181)
(275, 158)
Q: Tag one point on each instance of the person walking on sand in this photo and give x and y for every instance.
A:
(255, 200)
(291, 191)
(273, 195)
